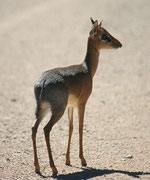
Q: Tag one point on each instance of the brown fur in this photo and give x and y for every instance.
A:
(69, 87)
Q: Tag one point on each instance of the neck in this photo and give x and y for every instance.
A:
(92, 57)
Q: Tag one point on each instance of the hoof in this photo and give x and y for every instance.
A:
(84, 165)
(67, 162)
(83, 162)
(37, 168)
(55, 172)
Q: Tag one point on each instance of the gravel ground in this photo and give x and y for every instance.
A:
(39, 35)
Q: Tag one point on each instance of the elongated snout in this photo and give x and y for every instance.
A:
(117, 44)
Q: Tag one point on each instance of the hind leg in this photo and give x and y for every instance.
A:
(41, 111)
(47, 129)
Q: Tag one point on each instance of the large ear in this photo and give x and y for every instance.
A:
(94, 30)
(92, 20)
(100, 24)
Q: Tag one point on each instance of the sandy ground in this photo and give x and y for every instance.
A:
(38, 35)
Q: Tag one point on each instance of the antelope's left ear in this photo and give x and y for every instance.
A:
(94, 30)
(94, 23)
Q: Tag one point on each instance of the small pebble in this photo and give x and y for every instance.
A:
(13, 100)
(8, 159)
(126, 158)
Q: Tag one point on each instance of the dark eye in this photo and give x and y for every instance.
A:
(105, 38)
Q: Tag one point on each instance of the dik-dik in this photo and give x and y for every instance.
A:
(69, 87)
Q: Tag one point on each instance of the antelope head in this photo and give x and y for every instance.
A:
(102, 38)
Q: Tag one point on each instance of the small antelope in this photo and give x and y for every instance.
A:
(69, 87)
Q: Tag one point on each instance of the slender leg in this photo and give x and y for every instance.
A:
(34, 131)
(47, 129)
(40, 113)
(81, 109)
(70, 116)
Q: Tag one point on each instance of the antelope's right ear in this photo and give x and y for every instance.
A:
(92, 20)
(94, 30)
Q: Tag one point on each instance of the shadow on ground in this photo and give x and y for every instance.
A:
(88, 173)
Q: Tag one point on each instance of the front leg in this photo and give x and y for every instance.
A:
(81, 109)
(70, 116)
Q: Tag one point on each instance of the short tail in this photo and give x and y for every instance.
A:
(38, 91)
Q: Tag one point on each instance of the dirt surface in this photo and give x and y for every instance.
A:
(39, 35)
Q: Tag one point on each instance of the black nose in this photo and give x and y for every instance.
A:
(120, 45)
(117, 44)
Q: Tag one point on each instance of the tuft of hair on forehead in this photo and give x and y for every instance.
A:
(95, 27)
(95, 23)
